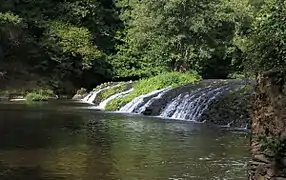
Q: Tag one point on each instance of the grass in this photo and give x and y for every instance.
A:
(144, 86)
(120, 87)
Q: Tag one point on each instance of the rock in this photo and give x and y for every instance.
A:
(261, 158)
(255, 163)
(147, 112)
(268, 119)
(280, 178)
(233, 106)
(80, 94)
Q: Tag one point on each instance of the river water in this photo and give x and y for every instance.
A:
(70, 141)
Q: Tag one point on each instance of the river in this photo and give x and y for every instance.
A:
(66, 140)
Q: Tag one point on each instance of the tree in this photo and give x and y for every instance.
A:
(60, 41)
(266, 43)
(181, 35)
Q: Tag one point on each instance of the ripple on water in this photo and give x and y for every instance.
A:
(60, 141)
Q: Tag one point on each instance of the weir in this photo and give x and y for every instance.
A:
(103, 104)
(187, 102)
(139, 101)
(152, 100)
(92, 95)
(191, 105)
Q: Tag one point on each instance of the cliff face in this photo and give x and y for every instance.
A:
(269, 128)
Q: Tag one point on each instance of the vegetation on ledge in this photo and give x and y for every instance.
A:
(144, 86)
(118, 88)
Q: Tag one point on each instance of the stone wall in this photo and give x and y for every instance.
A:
(268, 142)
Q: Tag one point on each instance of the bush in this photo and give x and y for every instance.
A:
(144, 86)
(40, 95)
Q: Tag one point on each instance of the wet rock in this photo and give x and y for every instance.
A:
(261, 158)
(160, 104)
(233, 107)
(147, 112)
(80, 94)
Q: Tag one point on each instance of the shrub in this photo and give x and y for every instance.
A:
(40, 95)
(144, 86)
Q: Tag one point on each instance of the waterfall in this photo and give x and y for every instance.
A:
(189, 102)
(85, 99)
(118, 95)
(92, 95)
(138, 101)
(152, 100)
(191, 105)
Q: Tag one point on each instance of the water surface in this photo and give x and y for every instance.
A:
(68, 141)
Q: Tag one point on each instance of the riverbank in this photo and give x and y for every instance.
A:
(27, 95)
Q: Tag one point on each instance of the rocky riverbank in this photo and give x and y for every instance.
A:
(269, 128)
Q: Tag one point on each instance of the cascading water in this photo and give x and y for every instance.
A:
(138, 102)
(152, 100)
(191, 105)
(187, 102)
(92, 95)
(85, 99)
(119, 95)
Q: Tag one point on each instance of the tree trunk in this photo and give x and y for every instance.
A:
(268, 142)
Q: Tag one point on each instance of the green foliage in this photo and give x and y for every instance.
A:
(275, 145)
(74, 41)
(103, 85)
(35, 97)
(60, 42)
(119, 87)
(9, 17)
(181, 36)
(83, 43)
(265, 45)
(147, 85)
(236, 76)
(40, 95)
(241, 75)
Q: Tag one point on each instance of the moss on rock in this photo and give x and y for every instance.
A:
(233, 108)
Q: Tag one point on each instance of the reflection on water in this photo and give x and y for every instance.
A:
(62, 141)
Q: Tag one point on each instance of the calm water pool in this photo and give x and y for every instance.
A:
(69, 141)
